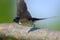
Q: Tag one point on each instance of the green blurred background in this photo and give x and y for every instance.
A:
(7, 10)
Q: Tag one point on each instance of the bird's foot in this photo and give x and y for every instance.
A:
(33, 29)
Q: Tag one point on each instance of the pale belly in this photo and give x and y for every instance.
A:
(27, 23)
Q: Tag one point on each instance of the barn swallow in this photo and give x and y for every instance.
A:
(24, 16)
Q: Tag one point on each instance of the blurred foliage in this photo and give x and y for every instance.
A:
(7, 10)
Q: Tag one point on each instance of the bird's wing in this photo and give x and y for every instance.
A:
(22, 11)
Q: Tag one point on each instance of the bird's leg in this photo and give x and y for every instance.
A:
(33, 28)
(34, 25)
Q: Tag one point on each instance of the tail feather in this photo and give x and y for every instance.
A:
(35, 19)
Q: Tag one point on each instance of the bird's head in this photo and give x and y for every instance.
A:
(16, 19)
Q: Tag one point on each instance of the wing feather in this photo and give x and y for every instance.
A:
(22, 11)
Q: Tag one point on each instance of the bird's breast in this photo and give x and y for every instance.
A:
(26, 23)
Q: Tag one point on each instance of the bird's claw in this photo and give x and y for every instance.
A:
(33, 29)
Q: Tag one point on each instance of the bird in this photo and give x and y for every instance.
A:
(24, 17)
